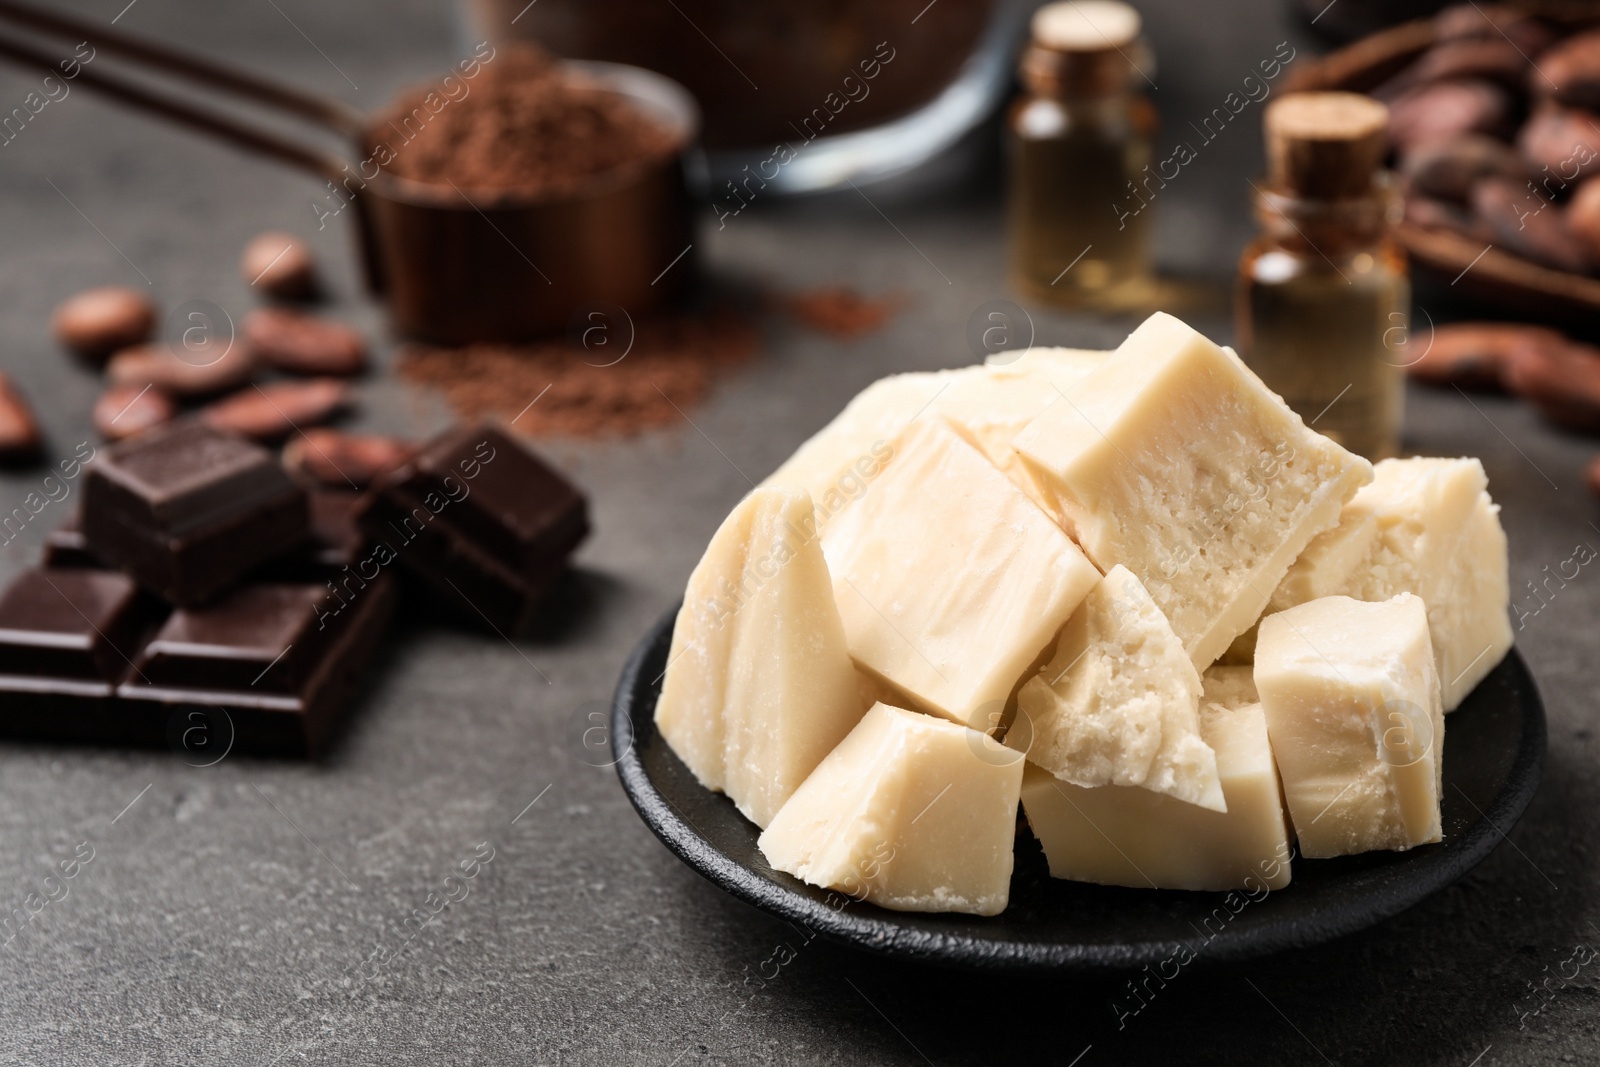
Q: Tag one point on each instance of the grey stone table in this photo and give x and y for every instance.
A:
(225, 909)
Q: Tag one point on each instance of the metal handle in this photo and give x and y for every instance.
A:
(335, 114)
(330, 113)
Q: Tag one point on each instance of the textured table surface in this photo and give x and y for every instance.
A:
(225, 908)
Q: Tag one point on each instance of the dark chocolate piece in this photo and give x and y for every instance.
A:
(67, 637)
(65, 546)
(482, 520)
(337, 542)
(188, 511)
(269, 667)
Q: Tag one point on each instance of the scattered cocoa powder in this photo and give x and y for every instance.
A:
(671, 367)
(525, 125)
(841, 312)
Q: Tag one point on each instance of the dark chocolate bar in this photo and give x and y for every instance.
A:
(482, 520)
(268, 667)
(67, 638)
(337, 542)
(65, 546)
(189, 511)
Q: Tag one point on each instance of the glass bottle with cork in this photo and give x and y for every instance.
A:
(1079, 144)
(1322, 296)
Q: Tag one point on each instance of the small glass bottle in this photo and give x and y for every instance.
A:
(1079, 146)
(1322, 297)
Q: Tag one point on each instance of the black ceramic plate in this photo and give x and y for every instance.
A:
(1494, 750)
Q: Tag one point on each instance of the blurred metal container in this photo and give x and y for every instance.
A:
(784, 84)
(453, 265)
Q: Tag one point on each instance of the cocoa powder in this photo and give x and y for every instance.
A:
(671, 367)
(525, 125)
(841, 312)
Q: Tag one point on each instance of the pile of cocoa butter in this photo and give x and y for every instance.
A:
(1496, 129)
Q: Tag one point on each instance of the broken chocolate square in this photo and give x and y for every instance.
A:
(482, 520)
(189, 511)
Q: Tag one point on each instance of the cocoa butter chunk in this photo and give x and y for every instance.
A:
(1476, 355)
(1527, 225)
(1440, 110)
(1351, 696)
(1117, 703)
(1570, 71)
(20, 439)
(280, 265)
(98, 322)
(342, 460)
(1425, 526)
(1560, 138)
(1174, 460)
(128, 410)
(181, 372)
(273, 411)
(950, 581)
(759, 684)
(910, 812)
(1449, 169)
(1119, 835)
(1563, 382)
(297, 343)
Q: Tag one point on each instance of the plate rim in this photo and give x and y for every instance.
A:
(880, 934)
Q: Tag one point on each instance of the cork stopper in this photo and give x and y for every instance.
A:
(1325, 146)
(1085, 25)
(1083, 47)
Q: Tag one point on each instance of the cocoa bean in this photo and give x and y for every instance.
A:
(1438, 111)
(20, 439)
(1592, 475)
(98, 322)
(1562, 140)
(1443, 215)
(1449, 169)
(273, 411)
(1531, 227)
(1570, 71)
(296, 343)
(280, 265)
(128, 410)
(1468, 21)
(182, 373)
(338, 459)
(1492, 58)
(1583, 217)
(1477, 355)
(1562, 382)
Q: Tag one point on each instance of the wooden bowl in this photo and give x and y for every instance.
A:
(1496, 277)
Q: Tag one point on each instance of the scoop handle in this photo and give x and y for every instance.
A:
(322, 163)
(334, 114)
